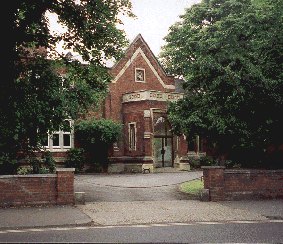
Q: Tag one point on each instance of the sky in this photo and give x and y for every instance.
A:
(154, 17)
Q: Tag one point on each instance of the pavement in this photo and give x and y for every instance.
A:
(139, 212)
(180, 211)
(42, 216)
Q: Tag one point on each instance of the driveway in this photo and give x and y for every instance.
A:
(133, 187)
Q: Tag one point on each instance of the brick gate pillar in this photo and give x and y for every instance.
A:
(148, 142)
(183, 153)
(213, 177)
(148, 135)
(65, 185)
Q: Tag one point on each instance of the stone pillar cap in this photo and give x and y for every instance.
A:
(213, 167)
(65, 169)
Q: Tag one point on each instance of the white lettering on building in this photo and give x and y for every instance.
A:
(152, 96)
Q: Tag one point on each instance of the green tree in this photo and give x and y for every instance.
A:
(230, 52)
(39, 87)
(96, 137)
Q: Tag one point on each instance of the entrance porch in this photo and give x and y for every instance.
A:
(149, 142)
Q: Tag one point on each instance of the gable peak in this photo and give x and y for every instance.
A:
(139, 37)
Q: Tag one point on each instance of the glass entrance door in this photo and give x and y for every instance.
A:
(163, 140)
(163, 151)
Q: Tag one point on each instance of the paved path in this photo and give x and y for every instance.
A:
(159, 203)
(153, 198)
(41, 216)
(133, 187)
(148, 212)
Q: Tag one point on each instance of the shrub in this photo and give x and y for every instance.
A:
(49, 162)
(202, 161)
(96, 137)
(76, 159)
(23, 170)
(194, 163)
(97, 167)
(46, 165)
(36, 165)
(206, 161)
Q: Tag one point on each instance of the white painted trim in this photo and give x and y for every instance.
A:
(146, 113)
(65, 169)
(140, 51)
(151, 96)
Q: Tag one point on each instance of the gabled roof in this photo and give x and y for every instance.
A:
(139, 37)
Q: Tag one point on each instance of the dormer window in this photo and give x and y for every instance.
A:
(140, 75)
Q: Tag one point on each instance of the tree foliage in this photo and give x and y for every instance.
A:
(92, 132)
(40, 88)
(230, 52)
(96, 137)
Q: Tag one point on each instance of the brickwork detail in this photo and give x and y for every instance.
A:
(214, 181)
(38, 189)
(229, 185)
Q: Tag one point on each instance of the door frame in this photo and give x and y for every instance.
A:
(162, 143)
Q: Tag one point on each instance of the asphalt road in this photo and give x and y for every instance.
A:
(133, 187)
(183, 233)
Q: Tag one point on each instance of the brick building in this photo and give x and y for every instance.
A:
(138, 98)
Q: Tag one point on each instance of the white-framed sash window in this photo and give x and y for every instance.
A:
(61, 140)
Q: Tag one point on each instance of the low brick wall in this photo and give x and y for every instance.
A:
(38, 189)
(241, 184)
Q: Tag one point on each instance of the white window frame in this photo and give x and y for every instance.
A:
(67, 133)
(140, 69)
(132, 143)
(61, 134)
(55, 133)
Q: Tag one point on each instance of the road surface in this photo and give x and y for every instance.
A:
(133, 187)
(178, 233)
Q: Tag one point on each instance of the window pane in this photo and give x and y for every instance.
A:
(157, 152)
(132, 137)
(139, 75)
(56, 140)
(66, 140)
(168, 152)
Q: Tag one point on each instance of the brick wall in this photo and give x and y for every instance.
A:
(241, 184)
(214, 181)
(126, 83)
(38, 189)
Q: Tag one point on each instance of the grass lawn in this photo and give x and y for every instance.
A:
(193, 186)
